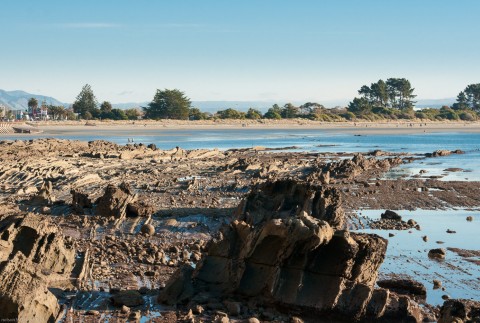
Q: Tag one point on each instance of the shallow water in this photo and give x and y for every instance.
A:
(407, 252)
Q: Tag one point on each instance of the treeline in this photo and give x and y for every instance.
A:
(393, 99)
(390, 99)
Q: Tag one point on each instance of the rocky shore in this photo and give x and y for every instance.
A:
(96, 231)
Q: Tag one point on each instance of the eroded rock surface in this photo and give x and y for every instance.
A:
(32, 253)
(459, 310)
(285, 247)
(115, 201)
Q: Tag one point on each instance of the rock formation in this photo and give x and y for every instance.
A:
(115, 201)
(32, 253)
(285, 247)
(459, 310)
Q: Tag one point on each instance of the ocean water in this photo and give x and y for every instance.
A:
(311, 140)
(407, 253)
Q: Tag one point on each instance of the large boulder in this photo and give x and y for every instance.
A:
(284, 247)
(32, 252)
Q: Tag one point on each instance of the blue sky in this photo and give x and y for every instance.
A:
(237, 50)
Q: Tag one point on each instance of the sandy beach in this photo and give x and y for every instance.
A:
(136, 127)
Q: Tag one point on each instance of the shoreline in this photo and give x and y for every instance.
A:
(384, 127)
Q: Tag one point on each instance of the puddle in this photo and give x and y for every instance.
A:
(407, 252)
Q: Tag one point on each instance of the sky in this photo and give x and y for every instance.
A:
(242, 50)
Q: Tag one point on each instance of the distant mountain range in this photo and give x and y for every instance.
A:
(19, 100)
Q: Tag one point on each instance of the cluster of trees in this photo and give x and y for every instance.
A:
(86, 106)
(395, 93)
(468, 98)
(391, 99)
(174, 104)
(309, 110)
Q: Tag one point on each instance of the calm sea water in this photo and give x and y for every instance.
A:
(407, 253)
(331, 140)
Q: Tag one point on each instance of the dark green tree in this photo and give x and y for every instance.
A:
(289, 111)
(273, 113)
(168, 104)
(86, 102)
(253, 114)
(132, 114)
(56, 112)
(32, 106)
(230, 114)
(400, 93)
(473, 96)
(462, 102)
(106, 107)
(118, 114)
(196, 114)
(360, 106)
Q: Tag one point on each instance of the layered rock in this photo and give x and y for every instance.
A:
(115, 201)
(285, 248)
(459, 310)
(32, 252)
(359, 165)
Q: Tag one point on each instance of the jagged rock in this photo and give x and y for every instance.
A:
(139, 208)
(282, 248)
(401, 308)
(391, 215)
(351, 168)
(404, 286)
(438, 253)
(44, 195)
(31, 252)
(459, 310)
(80, 200)
(115, 201)
(443, 152)
(324, 178)
(287, 198)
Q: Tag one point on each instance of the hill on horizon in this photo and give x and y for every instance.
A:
(18, 100)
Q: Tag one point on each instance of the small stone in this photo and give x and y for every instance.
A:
(295, 319)
(253, 320)
(148, 229)
(125, 309)
(445, 297)
(469, 218)
(438, 253)
(391, 235)
(425, 238)
(233, 308)
(451, 231)
(437, 284)
(135, 315)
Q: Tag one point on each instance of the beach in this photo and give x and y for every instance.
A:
(361, 127)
